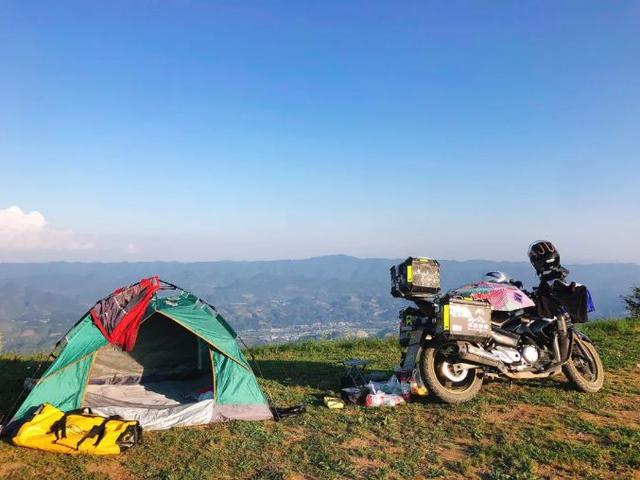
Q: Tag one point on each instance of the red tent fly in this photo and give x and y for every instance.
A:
(118, 316)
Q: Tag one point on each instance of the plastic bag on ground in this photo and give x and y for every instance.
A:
(391, 386)
(383, 400)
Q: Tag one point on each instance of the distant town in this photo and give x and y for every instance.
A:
(330, 330)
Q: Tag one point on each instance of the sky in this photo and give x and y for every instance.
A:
(209, 130)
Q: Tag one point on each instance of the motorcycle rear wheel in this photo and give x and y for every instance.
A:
(442, 379)
(584, 369)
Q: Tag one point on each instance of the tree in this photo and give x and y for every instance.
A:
(633, 302)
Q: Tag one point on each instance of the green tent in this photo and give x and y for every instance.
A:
(185, 368)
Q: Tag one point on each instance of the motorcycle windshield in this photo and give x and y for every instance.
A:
(502, 297)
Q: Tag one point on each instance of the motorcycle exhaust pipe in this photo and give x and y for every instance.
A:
(471, 354)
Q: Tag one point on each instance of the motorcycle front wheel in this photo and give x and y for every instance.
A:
(584, 369)
(444, 379)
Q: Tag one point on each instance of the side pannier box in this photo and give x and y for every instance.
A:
(465, 318)
(416, 275)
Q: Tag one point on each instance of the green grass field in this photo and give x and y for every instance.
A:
(520, 430)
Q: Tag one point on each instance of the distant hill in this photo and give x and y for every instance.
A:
(333, 294)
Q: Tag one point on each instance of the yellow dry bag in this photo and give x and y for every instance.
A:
(78, 431)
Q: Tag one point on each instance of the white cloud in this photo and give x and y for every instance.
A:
(13, 221)
(20, 231)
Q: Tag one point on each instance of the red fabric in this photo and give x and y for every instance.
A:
(126, 306)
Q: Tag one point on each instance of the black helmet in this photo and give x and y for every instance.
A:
(543, 256)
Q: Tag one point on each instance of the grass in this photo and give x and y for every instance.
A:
(519, 430)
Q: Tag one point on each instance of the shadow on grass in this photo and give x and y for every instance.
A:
(327, 376)
(303, 373)
(300, 373)
(13, 373)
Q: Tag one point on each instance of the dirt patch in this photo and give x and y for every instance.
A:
(111, 468)
(623, 402)
(297, 476)
(520, 413)
(295, 434)
(355, 443)
(453, 453)
(564, 435)
(627, 417)
(626, 380)
(364, 463)
(553, 472)
(9, 467)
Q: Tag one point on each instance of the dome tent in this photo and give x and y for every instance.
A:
(155, 353)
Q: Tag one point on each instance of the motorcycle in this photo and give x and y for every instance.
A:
(454, 341)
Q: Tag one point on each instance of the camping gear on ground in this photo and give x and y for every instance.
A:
(490, 329)
(376, 376)
(374, 393)
(333, 403)
(354, 395)
(418, 390)
(286, 412)
(415, 276)
(406, 391)
(355, 372)
(409, 383)
(381, 399)
(385, 394)
(180, 344)
(77, 432)
(391, 386)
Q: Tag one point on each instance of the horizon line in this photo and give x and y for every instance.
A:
(274, 260)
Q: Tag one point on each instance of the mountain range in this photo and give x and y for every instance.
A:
(264, 300)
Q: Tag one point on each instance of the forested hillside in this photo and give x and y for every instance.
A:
(272, 301)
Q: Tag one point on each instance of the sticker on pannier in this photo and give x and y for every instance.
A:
(465, 318)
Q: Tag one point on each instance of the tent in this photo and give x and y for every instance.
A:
(155, 353)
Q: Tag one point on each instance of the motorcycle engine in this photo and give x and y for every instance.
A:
(528, 354)
(506, 355)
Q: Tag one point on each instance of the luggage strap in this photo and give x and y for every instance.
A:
(59, 428)
(97, 431)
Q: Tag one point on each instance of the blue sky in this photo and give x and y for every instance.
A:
(193, 130)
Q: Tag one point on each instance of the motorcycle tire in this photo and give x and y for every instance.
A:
(432, 373)
(574, 368)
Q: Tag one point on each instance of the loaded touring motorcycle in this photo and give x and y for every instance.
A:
(456, 340)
